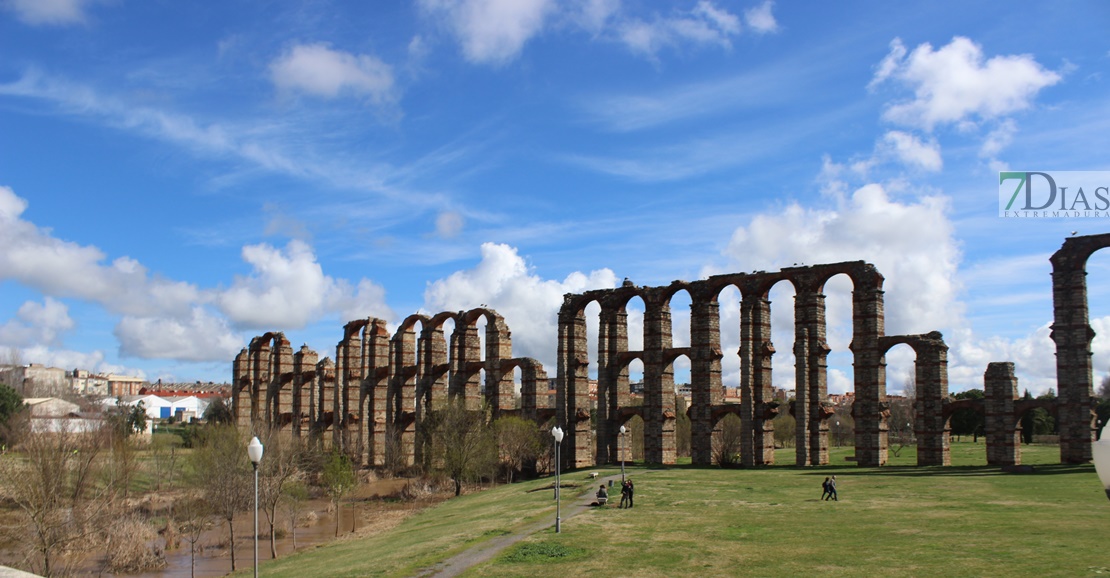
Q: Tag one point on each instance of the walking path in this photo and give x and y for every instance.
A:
(460, 562)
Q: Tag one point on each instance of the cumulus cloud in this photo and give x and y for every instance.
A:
(529, 303)
(491, 31)
(288, 289)
(49, 12)
(318, 70)
(36, 323)
(914, 152)
(33, 257)
(199, 337)
(956, 83)
(912, 244)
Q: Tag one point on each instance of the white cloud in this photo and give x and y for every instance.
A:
(912, 245)
(955, 84)
(198, 337)
(998, 138)
(36, 323)
(318, 70)
(704, 25)
(529, 303)
(594, 15)
(33, 257)
(491, 31)
(288, 289)
(49, 12)
(913, 152)
(761, 19)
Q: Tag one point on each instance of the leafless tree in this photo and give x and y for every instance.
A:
(726, 441)
(54, 480)
(223, 473)
(192, 517)
(281, 463)
(294, 495)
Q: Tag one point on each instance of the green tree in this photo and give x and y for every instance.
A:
(11, 404)
(218, 412)
(967, 421)
(519, 442)
(338, 479)
(1027, 422)
(465, 446)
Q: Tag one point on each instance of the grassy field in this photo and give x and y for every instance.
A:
(900, 520)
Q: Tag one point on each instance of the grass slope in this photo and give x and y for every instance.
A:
(966, 520)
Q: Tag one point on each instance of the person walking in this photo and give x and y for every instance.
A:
(832, 490)
(825, 488)
(624, 494)
(631, 492)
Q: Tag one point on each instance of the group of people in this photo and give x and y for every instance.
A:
(828, 489)
(627, 491)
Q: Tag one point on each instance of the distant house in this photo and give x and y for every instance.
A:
(50, 414)
(187, 408)
(50, 407)
(156, 407)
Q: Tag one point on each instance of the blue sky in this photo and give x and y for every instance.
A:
(176, 178)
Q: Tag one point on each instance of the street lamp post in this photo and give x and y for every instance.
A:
(837, 433)
(254, 452)
(558, 435)
(623, 431)
(1100, 453)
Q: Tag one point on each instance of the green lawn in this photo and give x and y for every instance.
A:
(967, 520)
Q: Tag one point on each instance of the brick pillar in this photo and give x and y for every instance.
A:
(748, 349)
(261, 368)
(705, 373)
(499, 348)
(817, 386)
(401, 416)
(532, 399)
(870, 371)
(466, 359)
(659, 410)
(1071, 330)
(1003, 428)
(572, 392)
(931, 379)
(801, 385)
(325, 389)
(375, 391)
(348, 369)
(612, 328)
(304, 375)
(240, 389)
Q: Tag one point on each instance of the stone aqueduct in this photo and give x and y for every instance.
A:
(372, 398)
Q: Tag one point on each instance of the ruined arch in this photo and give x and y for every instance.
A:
(931, 377)
(1072, 333)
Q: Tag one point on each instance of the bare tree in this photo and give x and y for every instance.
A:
(281, 464)
(726, 441)
(54, 483)
(222, 472)
(192, 518)
(294, 495)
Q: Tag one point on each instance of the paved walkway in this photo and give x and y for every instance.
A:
(460, 562)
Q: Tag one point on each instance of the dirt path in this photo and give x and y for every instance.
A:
(460, 562)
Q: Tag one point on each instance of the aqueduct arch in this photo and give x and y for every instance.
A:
(1072, 333)
(380, 386)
